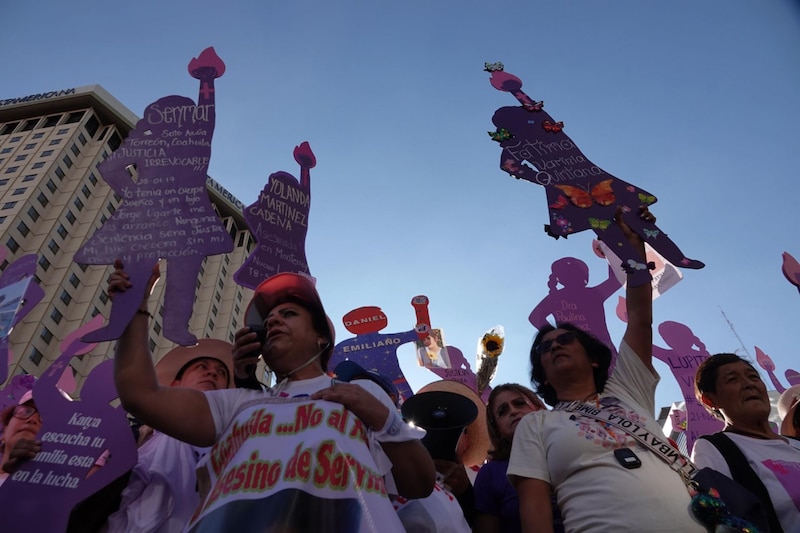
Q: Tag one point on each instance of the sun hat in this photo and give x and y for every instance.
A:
(788, 401)
(478, 432)
(175, 360)
(290, 287)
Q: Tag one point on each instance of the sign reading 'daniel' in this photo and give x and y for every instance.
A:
(278, 221)
(160, 174)
(580, 195)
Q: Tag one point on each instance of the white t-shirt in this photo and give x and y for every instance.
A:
(575, 455)
(254, 435)
(775, 462)
(162, 492)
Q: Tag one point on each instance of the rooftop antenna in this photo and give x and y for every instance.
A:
(730, 325)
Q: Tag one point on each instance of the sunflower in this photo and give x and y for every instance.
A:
(492, 344)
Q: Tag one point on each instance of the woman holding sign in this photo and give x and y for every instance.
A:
(339, 448)
(604, 480)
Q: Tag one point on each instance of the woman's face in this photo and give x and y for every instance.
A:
(508, 408)
(25, 423)
(561, 353)
(431, 343)
(741, 394)
(290, 338)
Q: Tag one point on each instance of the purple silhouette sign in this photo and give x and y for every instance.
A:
(572, 300)
(165, 212)
(74, 436)
(765, 362)
(20, 271)
(684, 354)
(278, 221)
(580, 195)
(791, 269)
(461, 372)
(378, 351)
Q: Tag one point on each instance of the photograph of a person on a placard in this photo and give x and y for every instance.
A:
(432, 352)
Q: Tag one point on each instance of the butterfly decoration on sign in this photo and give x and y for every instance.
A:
(492, 67)
(536, 106)
(500, 135)
(646, 199)
(599, 223)
(553, 127)
(601, 194)
(650, 233)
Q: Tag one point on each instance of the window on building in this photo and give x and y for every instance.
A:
(51, 185)
(60, 173)
(29, 125)
(38, 135)
(12, 245)
(46, 335)
(92, 125)
(9, 205)
(62, 231)
(44, 263)
(21, 157)
(35, 356)
(74, 280)
(51, 121)
(104, 297)
(56, 316)
(92, 179)
(67, 161)
(86, 192)
(66, 297)
(157, 328)
(103, 219)
(152, 345)
(3, 181)
(75, 149)
(10, 170)
(82, 138)
(53, 245)
(218, 297)
(210, 324)
(20, 190)
(63, 131)
(70, 217)
(30, 146)
(115, 141)
(33, 213)
(54, 142)
(43, 201)
(72, 118)
(29, 177)
(8, 128)
(40, 164)
(78, 204)
(23, 229)
(46, 153)
(83, 267)
(6, 150)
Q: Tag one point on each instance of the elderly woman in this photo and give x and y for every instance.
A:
(733, 391)
(21, 423)
(496, 500)
(603, 479)
(297, 345)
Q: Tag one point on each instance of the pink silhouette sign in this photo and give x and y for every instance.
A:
(684, 354)
(160, 172)
(74, 435)
(765, 362)
(278, 221)
(571, 300)
(580, 195)
(791, 269)
(378, 351)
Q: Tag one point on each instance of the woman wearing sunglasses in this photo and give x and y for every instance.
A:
(21, 423)
(602, 478)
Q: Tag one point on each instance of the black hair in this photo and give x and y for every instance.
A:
(319, 321)
(183, 369)
(501, 448)
(597, 351)
(705, 379)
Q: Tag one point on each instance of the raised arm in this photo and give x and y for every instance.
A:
(179, 412)
(639, 300)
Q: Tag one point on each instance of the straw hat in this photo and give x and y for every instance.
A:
(786, 403)
(174, 360)
(478, 432)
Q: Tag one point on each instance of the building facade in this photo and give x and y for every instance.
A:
(52, 198)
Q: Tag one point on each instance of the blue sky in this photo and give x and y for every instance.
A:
(696, 102)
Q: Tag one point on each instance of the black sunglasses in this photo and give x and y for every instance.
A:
(562, 339)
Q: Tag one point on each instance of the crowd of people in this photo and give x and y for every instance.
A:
(320, 452)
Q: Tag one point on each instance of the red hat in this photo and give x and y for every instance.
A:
(290, 287)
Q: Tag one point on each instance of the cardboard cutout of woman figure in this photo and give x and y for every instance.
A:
(580, 195)
(575, 302)
(165, 211)
(685, 353)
